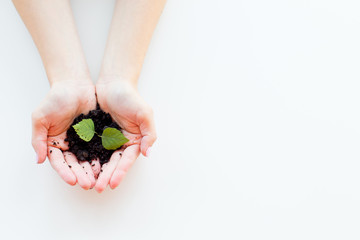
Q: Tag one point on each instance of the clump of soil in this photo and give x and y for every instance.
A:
(88, 151)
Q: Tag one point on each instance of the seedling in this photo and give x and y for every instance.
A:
(111, 138)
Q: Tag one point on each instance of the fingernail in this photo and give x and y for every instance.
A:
(37, 158)
(148, 151)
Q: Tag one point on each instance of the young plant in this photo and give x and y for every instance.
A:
(111, 138)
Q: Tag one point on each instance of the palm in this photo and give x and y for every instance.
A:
(125, 105)
(63, 104)
(134, 116)
(51, 121)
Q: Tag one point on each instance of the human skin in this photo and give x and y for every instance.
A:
(130, 33)
(53, 30)
(72, 92)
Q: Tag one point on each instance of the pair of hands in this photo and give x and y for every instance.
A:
(68, 99)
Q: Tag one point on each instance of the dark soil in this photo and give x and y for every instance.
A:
(88, 151)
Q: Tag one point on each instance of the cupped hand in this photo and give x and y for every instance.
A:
(135, 117)
(65, 101)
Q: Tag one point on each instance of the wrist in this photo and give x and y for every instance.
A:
(117, 79)
(71, 74)
(71, 79)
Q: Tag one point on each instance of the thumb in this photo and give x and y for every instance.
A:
(39, 138)
(148, 132)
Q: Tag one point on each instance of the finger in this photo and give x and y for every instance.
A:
(128, 158)
(148, 132)
(106, 172)
(75, 167)
(57, 161)
(39, 138)
(96, 167)
(89, 172)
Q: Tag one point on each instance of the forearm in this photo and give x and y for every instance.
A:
(131, 30)
(53, 30)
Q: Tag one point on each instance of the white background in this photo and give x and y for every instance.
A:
(257, 111)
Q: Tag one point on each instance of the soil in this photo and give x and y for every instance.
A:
(88, 151)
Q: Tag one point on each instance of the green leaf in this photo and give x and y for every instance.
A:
(113, 139)
(85, 129)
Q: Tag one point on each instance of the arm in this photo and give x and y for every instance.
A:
(130, 33)
(52, 28)
(131, 29)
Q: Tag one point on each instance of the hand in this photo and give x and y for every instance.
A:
(135, 117)
(65, 101)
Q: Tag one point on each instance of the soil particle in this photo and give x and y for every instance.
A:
(87, 151)
(50, 151)
(69, 166)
